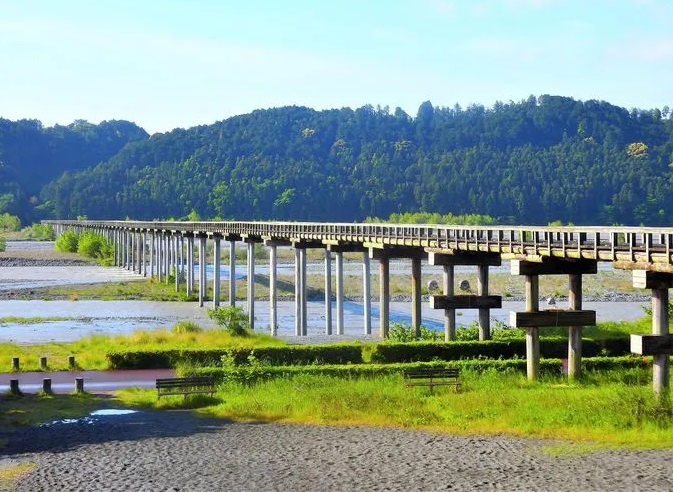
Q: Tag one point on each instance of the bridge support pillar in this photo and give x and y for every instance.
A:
(416, 296)
(175, 247)
(167, 257)
(144, 253)
(383, 254)
(384, 296)
(340, 292)
(532, 292)
(232, 272)
(251, 281)
(484, 313)
(273, 290)
(574, 317)
(273, 244)
(297, 293)
(203, 277)
(160, 256)
(449, 302)
(366, 295)
(190, 265)
(216, 271)
(328, 292)
(660, 344)
(574, 332)
(140, 246)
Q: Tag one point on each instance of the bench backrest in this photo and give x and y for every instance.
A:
(424, 373)
(182, 382)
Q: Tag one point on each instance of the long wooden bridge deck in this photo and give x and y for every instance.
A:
(632, 247)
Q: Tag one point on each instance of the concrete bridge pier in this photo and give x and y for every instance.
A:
(532, 319)
(167, 256)
(176, 261)
(273, 244)
(232, 268)
(251, 241)
(216, 271)
(144, 252)
(297, 293)
(139, 252)
(383, 254)
(340, 292)
(189, 253)
(160, 255)
(339, 248)
(328, 291)
(366, 294)
(660, 343)
(450, 302)
(203, 277)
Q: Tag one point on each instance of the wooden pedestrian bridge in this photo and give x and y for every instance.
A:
(155, 248)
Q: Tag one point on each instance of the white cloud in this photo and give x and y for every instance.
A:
(653, 50)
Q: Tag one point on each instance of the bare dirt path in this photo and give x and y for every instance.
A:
(162, 451)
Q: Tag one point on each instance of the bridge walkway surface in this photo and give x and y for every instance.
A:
(63, 382)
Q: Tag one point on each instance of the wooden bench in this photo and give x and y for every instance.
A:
(186, 386)
(432, 376)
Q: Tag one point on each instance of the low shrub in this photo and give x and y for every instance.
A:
(556, 347)
(95, 246)
(400, 332)
(231, 318)
(67, 242)
(548, 367)
(3, 244)
(272, 356)
(186, 327)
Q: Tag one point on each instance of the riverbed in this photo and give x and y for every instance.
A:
(93, 317)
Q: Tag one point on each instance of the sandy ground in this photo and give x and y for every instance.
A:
(170, 451)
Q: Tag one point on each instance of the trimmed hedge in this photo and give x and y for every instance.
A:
(272, 356)
(492, 349)
(383, 353)
(255, 373)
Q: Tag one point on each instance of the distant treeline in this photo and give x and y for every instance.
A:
(435, 218)
(535, 161)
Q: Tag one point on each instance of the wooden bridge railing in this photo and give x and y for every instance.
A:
(635, 245)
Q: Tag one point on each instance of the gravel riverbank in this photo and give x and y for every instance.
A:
(162, 451)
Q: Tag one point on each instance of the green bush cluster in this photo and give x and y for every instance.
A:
(95, 246)
(90, 244)
(259, 372)
(272, 356)
(231, 318)
(3, 244)
(186, 327)
(39, 232)
(67, 242)
(491, 349)
(382, 353)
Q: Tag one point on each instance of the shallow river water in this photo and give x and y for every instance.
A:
(123, 317)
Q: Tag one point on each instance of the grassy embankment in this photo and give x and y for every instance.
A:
(601, 410)
(615, 409)
(90, 351)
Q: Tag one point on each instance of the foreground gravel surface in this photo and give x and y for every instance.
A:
(170, 451)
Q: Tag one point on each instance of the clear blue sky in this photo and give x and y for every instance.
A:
(169, 63)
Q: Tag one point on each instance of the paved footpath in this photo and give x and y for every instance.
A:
(94, 381)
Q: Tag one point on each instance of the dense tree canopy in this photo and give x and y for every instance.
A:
(534, 161)
(31, 156)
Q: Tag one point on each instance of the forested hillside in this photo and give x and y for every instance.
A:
(535, 161)
(31, 156)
